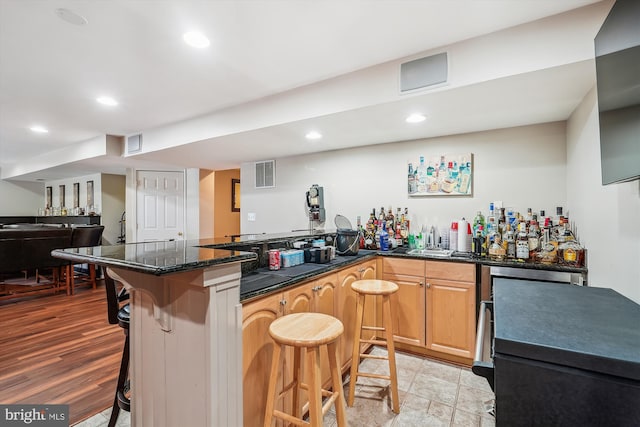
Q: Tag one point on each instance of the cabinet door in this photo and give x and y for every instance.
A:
(299, 299)
(408, 306)
(325, 295)
(451, 317)
(324, 301)
(346, 309)
(367, 270)
(257, 351)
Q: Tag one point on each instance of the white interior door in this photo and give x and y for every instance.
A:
(159, 205)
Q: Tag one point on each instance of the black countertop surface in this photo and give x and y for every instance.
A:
(264, 281)
(595, 329)
(163, 257)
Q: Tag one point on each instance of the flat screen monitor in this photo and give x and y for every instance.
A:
(617, 47)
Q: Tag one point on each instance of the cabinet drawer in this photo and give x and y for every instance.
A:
(407, 267)
(461, 272)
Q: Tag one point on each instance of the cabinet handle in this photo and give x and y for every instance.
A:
(316, 288)
(421, 284)
(428, 285)
(283, 302)
(361, 270)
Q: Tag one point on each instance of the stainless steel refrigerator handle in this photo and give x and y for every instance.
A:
(480, 367)
(480, 332)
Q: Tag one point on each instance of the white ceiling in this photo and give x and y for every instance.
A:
(52, 71)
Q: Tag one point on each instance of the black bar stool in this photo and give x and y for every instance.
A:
(119, 315)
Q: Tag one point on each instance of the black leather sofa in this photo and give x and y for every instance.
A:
(29, 248)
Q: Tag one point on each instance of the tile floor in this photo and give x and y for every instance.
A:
(431, 394)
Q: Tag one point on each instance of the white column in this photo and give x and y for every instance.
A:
(186, 347)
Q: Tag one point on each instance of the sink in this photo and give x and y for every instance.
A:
(434, 252)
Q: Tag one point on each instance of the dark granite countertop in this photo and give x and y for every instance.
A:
(594, 329)
(470, 258)
(158, 258)
(264, 281)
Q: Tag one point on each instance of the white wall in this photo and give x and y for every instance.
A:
(113, 200)
(21, 198)
(607, 216)
(523, 167)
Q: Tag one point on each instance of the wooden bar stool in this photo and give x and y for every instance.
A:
(308, 331)
(385, 289)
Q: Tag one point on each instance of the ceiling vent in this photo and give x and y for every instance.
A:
(266, 174)
(134, 144)
(423, 72)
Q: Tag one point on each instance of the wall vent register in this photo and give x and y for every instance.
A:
(265, 174)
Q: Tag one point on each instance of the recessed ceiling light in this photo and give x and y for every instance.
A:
(39, 129)
(195, 39)
(106, 100)
(415, 118)
(71, 17)
(313, 135)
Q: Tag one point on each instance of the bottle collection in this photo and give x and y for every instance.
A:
(384, 231)
(505, 234)
(501, 234)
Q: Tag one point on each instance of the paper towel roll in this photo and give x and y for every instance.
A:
(463, 244)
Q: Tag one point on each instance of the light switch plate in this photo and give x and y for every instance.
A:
(251, 216)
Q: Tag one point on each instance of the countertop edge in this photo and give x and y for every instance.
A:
(157, 271)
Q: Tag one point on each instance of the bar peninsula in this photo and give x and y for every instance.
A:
(185, 330)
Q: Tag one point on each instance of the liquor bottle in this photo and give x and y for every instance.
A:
(529, 216)
(477, 222)
(384, 238)
(398, 234)
(522, 243)
(510, 243)
(492, 232)
(478, 242)
(391, 221)
(378, 231)
(404, 230)
(534, 239)
(370, 238)
(496, 250)
(360, 232)
(491, 213)
(502, 222)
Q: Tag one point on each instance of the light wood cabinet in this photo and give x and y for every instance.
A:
(434, 306)
(409, 302)
(257, 346)
(451, 307)
(346, 308)
(257, 351)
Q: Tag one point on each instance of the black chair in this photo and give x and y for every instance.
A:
(118, 314)
(82, 237)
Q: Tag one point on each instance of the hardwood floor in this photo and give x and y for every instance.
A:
(60, 349)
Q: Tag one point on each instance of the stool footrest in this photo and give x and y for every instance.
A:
(379, 342)
(291, 419)
(373, 356)
(370, 375)
(373, 328)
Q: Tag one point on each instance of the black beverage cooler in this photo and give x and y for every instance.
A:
(565, 355)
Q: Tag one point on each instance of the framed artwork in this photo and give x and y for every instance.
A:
(441, 175)
(62, 195)
(76, 194)
(49, 197)
(89, 193)
(235, 195)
